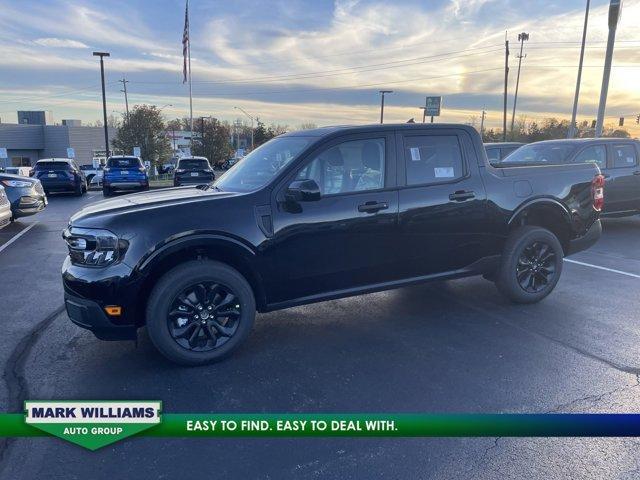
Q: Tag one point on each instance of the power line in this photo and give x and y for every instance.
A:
(62, 94)
(339, 71)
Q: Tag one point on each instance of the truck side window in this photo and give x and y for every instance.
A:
(595, 154)
(493, 154)
(348, 167)
(432, 159)
(624, 156)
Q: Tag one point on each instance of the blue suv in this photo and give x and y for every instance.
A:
(124, 173)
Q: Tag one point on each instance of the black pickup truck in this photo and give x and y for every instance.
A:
(316, 215)
(616, 157)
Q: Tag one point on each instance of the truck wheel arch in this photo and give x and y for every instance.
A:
(213, 247)
(547, 213)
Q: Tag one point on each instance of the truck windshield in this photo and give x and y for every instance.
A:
(261, 165)
(539, 154)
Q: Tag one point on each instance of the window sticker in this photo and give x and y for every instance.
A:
(631, 160)
(443, 172)
(415, 154)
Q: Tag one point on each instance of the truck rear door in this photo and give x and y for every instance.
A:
(622, 188)
(442, 202)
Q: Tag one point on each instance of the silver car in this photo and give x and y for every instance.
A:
(5, 208)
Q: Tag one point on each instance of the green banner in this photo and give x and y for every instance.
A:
(95, 424)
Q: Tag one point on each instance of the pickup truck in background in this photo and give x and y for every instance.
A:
(322, 214)
(498, 151)
(617, 159)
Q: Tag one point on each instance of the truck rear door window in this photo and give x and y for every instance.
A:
(432, 159)
(624, 156)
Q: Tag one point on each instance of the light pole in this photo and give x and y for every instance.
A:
(572, 127)
(243, 111)
(104, 100)
(522, 37)
(383, 92)
(614, 16)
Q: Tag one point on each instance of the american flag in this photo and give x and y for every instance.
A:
(185, 43)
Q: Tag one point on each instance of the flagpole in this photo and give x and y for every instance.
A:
(190, 91)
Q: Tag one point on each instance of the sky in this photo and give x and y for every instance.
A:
(323, 62)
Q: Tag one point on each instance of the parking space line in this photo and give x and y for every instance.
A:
(17, 236)
(602, 268)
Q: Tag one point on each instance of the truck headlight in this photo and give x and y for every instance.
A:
(92, 247)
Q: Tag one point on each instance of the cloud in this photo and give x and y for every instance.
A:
(60, 43)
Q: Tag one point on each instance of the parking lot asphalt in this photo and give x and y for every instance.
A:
(454, 346)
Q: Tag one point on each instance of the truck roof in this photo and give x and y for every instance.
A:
(342, 129)
(589, 140)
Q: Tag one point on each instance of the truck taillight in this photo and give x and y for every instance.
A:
(597, 192)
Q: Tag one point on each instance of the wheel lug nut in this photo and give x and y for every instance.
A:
(199, 307)
(209, 307)
(197, 316)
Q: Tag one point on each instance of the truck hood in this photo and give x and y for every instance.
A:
(146, 200)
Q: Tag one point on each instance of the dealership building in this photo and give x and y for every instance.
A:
(32, 139)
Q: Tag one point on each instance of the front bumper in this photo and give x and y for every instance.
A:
(87, 291)
(5, 216)
(587, 240)
(88, 314)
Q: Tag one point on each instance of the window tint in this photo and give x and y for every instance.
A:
(624, 156)
(53, 166)
(595, 154)
(493, 154)
(348, 167)
(194, 164)
(432, 159)
(508, 150)
(123, 162)
(540, 153)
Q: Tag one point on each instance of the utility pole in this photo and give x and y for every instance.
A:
(614, 16)
(243, 111)
(484, 113)
(521, 37)
(506, 81)
(124, 82)
(572, 127)
(104, 100)
(383, 92)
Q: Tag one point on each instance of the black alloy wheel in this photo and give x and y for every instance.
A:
(536, 267)
(204, 316)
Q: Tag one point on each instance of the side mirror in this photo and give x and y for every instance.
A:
(303, 191)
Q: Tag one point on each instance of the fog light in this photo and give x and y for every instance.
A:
(113, 310)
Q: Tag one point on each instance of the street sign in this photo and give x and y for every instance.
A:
(136, 151)
(3, 153)
(432, 106)
(71, 153)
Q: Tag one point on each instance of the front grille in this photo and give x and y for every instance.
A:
(4, 223)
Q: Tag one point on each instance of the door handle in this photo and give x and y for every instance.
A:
(637, 172)
(607, 175)
(461, 195)
(372, 207)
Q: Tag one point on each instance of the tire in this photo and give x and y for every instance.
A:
(218, 281)
(531, 265)
(106, 191)
(78, 190)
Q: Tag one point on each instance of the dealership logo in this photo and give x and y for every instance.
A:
(92, 424)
